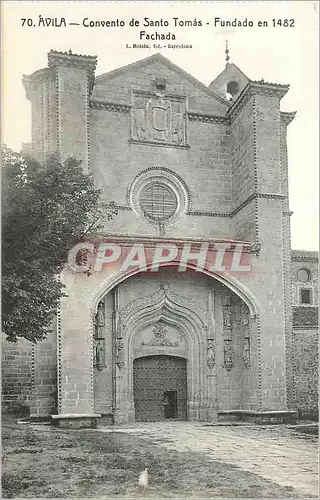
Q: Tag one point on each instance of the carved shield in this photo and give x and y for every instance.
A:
(159, 115)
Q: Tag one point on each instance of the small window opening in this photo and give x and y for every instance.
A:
(232, 88)
(305, 296)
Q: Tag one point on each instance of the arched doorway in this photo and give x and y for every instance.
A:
(160, 388)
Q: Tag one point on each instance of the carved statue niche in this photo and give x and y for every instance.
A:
(119, 354)
(99, 354)
(228, 354)
(245, 317)
(210, 353)
(98, 341)
(226, 311)
(226, 300)
(100, 321)
(246, 352)
(246, 331)
(227, 317)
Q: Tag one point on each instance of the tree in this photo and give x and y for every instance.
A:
(46, 210)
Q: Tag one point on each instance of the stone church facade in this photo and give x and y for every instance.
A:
(191, 167)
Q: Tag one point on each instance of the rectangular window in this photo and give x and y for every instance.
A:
(305, 296)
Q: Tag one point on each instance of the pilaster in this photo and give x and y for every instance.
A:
(73, 76)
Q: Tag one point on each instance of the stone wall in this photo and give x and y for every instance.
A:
(44, 398)
(306, 371)
(17, 383)
(242, 155)
(29, 376)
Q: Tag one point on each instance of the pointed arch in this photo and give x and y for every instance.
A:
(187, 316)
(107, 284)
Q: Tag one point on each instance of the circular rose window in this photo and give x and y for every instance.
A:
(158, 202)
(159, 196)
(303, 275)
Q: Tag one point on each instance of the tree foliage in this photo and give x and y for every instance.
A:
(46, 209)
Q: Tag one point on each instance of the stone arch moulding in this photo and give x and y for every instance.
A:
(178, 311)
(230, 282)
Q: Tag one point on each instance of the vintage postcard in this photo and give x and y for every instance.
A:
(160, 249)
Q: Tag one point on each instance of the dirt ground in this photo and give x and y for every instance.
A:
(40, 461)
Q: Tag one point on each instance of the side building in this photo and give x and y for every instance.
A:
(305, 274)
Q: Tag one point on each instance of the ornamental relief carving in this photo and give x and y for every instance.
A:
(227, 316)
(158, 118)
(119, 352)
(161, 338)
(228, 354)
(246, 329)
(246, 352)
(160, 300)
(210, 353)
(99, 338)
(227, 313)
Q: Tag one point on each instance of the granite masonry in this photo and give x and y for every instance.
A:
(187, 165)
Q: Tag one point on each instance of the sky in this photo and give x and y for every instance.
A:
(279, 54)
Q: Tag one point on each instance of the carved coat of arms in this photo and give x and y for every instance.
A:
(160, 338)
(158, 118)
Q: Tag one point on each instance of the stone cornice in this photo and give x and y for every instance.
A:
(254, 196)
(152, 241)
(304, 256)
(305, 327)
(70, 60)
(202, 213)
(125, 108)
(100, 104)
(273, 196)
(32, 82)
(199, 117)
(287, 117)
(161, 144)
(56, 58)
(270, 89)
(109, 106)
(255, 88)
